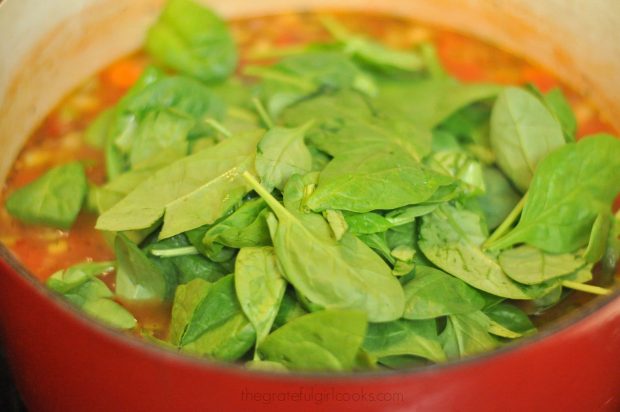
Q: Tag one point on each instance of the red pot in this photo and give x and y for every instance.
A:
(63, 361)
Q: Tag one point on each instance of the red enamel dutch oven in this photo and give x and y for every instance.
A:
(63, 361)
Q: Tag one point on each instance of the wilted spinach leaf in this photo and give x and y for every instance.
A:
(54, 199)
(137, 278)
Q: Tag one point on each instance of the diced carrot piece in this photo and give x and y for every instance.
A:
(124, 73)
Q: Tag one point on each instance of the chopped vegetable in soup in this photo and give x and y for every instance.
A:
(319, 191)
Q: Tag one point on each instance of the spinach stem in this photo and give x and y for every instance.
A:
(506, 224)
(262, 113)
(335, 29)
(271, 74)
(275, 206)
(218, 126)
(595, 290)
(174, 252)
(276, 52)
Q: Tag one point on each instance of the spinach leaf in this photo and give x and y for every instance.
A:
(218, 307)
(54, 199)
(289, 309)
(137, 278)
(467, 334)
(611, 256)
(282, 153)
(558, 105)
(451, 239)
(296, 77)
(511, 318)
(106, 196)
(64, 280)
(260, 288)
(530, 265)
(345, 120)
(371, 53)
(110, 312)
(571, 187)
(366, 223)
(555, 101)
(228, 341)
(193, 40)
(430, 101)
(336, 222)
(115, 160)
(96, 133)
(499, 199)
(189, 193)
(325, 340)
(187, 297)
(245, 227)
(192, 267)
(92, 289)
(343, 274)
(461, 166)
(378, 243)
(369, 179)
(81, 287)
(523, 132)
(599, 237)
(404, 215)
(433, 293)
(156, 130)
(161, 114)
(404, 337)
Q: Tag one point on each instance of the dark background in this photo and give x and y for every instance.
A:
(9, 398)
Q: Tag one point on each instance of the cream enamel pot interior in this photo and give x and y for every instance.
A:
(64, 362)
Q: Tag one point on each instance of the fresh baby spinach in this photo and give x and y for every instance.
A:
(193, 40)
(343, 274)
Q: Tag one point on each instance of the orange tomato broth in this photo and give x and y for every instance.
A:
(58, 139)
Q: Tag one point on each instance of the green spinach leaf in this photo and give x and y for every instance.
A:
(282, 153)
(529, 265)
(245, 227)
(193, 40)
(451, 239)
(571, 187)
(523, 132)
(54, 199)
(404, 337)
(260, 288)
(137, 278)
(343, 274)
(189, 193)
(369, 179)
(467, 334)
(325, 340)
(433, 293)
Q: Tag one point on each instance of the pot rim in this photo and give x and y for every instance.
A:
(589, 310)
